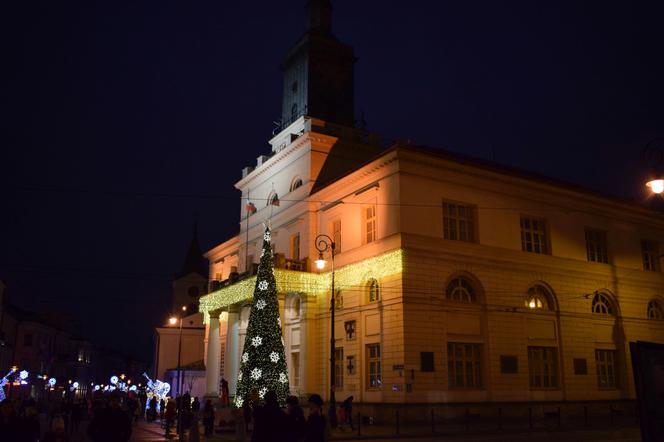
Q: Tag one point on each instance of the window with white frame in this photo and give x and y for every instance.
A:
(464, 365)
(543, 367)
(596, 246)
(655, 310)
(606, 368)
(369, 215)
(374, 374)
(374, 290)
(458, 222)
(650, 253)
(460, 289)
(602, 305)
(533, 235)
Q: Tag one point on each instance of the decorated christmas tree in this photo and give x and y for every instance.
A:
(263, 361)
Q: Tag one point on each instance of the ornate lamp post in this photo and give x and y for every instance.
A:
(323, 244)
(173, 320)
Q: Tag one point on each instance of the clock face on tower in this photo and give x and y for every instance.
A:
(193, 291)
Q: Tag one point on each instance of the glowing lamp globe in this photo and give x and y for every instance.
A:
(656, 186)
(173, 320)
(320, 262)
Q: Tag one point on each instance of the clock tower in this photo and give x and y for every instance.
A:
(318, 72)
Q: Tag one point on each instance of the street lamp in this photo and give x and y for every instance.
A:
(323, 244)
(173, 320)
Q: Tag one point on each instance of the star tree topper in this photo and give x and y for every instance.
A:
(263, 363)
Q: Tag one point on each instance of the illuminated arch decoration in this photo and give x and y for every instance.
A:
(313, 284)
(539, 297)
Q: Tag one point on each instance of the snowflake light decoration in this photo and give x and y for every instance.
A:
(245, 357)
(262, 392)
(239, 401)
(261, 304)
(283, 378)
(239, 376)
(23, 374)
(262, 285)
(274, 357)
(256, 341)
(267, 236)
(256, 373)
(279, 321)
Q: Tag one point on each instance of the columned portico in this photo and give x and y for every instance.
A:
(212, 364)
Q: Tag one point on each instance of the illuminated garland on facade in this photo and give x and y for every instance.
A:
(290, 281)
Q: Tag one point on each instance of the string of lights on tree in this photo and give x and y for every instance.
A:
(263, 362)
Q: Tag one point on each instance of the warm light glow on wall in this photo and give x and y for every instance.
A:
(290, 281)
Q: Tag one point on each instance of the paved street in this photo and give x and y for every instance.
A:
(152, 432)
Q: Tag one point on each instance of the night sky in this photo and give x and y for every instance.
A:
(122, 119)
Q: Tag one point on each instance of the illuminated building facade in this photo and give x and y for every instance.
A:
(458, 281)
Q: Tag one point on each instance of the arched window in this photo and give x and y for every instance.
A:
(297, 182)
(461, 290)
(655, 310)
(538, 298)
(338, 299)
(272, 199)
(602, 304)
(374, 290)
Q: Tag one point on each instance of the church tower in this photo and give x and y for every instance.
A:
(318, 72)
(191, 282)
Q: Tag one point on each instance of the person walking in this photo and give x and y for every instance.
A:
(315, 429)
(295, 421)
(208, 418)
(347, 406)
(224, 392)
(269, 421)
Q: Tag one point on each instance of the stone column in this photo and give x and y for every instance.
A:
(213, 356)
(232, 365)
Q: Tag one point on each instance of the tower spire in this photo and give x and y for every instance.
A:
(319, 15)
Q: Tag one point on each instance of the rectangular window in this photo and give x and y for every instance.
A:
(458, 222)
(295, 247)
(27, 340)
(295, 369)
(606, 368)
(543, 366)
(533, 235)
(373, 367)
(596, 246)
(349, 326)
(464, 367)
(336, 235)
(339, 367)
(650, 252)
(426, 361)
(369, 223)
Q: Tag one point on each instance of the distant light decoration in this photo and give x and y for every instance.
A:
(656, 186)
(349, 277)
(23, 375)
(114, 380)
(52, 382)
(132, 388)
(75, 385)
(97, 387)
